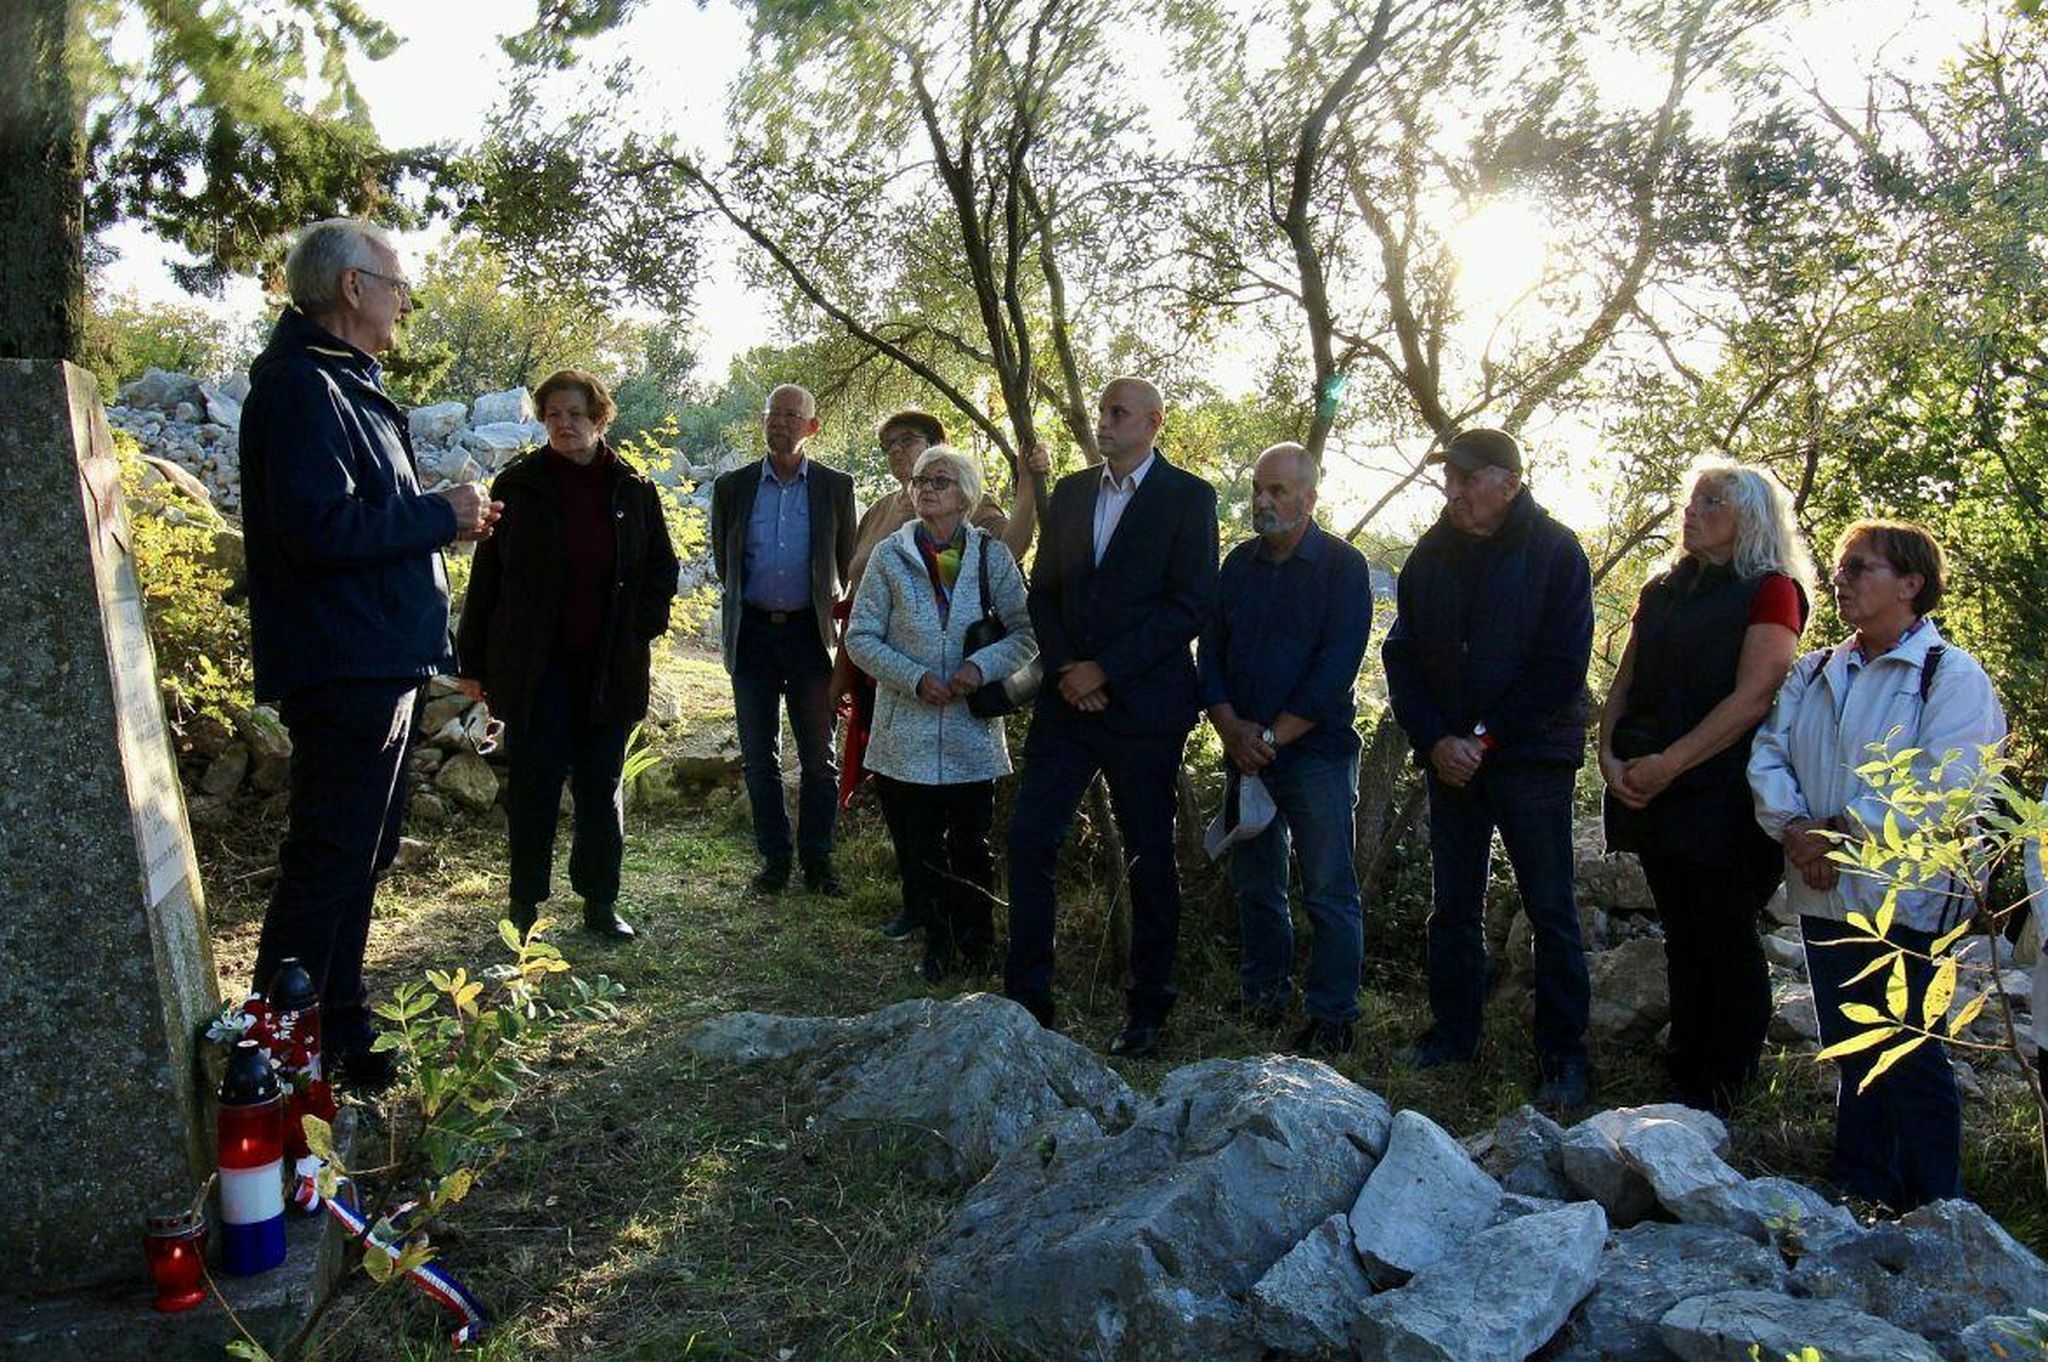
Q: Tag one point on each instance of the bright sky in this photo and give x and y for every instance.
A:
(449, 71)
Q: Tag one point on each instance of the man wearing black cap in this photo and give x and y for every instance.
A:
(1486, 668)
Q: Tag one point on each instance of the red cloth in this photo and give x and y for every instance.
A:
(859, 715)
(1777, 601)
(589, 546)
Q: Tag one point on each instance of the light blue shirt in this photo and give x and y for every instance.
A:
(778, 566)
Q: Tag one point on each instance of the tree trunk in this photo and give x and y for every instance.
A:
(1388, 802)
(42, 196)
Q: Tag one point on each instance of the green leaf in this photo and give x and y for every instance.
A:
(248, 1350)
(319, 1137)
(377, 1264)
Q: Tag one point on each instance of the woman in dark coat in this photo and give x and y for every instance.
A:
(1713, 637)
(564, 602)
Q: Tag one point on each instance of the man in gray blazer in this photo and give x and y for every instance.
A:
(782, 535)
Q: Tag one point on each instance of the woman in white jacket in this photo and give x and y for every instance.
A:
(1896, 683)
(936, 761)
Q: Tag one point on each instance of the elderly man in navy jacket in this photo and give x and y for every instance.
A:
(348, 606)
(1486, 668)
(1124, 576)
(1279, 663)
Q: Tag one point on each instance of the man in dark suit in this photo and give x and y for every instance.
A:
(1125, 572)
(782, 534)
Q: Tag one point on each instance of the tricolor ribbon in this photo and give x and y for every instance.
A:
(429, 1277)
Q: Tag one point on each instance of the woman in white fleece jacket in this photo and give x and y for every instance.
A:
(1895, 682)
(935, 761)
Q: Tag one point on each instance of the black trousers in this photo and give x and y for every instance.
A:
(347, 803)
(559, 742)
(1061, 758)
(1714, 959)
(942, 851)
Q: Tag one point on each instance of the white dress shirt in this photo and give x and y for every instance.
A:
(1111, 498)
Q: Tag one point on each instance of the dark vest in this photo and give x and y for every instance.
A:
(1689, 629)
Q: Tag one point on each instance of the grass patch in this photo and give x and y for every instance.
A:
(662, 1208)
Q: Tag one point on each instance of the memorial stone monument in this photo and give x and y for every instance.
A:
(108, 972)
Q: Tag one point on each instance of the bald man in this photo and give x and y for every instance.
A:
(782, 533)
(1124, 576)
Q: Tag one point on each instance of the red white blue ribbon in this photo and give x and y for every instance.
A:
(429, 1277)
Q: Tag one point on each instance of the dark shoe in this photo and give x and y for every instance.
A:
(1323, 1039)
(602, 919)
(365, 1072)
(935, 970)
(1136, 1040)
(902, 927)
(1431, 1051)
(1040, 1008)
(1567, 1083)
(523, 916)
(772, 877)
(820, 878)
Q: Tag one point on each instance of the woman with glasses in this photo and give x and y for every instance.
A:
(564, 604)
(904, 436)
(1712, 638)
(1894, 684)
(935, 760)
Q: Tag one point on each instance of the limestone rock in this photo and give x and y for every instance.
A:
(1593, 1162)
(224, 773)
(1631, 994)
(435, 714)
(1501, 1294)
(221, 408)
(706, 755)
(468, 779)
(1726, 1325)
(1647, 1270)
(1524, 1154)
(962, 1082)
(270, 747)
(2002, 1338)
(1425, 1197)
(1615, 881)
(428, 807)
(229, 553)
(1784, 949)
(1697, 1186)
(436, 423)
(1793, 1021)
(160, 390)
(513, 404)
(505, 437)
(1936, 1271)
(1145, 1244)
(1305, 1302)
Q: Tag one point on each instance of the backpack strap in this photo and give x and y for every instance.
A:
(1928, 666)
(1814, 662)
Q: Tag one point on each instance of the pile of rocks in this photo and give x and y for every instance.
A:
(1269, 1207)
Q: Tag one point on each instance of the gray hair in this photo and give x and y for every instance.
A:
(312, 272)
(810, 402)
(962, 467)
(1767, 538)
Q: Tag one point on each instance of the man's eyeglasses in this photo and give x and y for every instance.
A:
(933, 483)
(906, 441)
(1852, 568)
(402, 287)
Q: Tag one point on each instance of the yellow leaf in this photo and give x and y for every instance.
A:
(1882, 962)
(1887, 1059)
(1861, 924)
(319, 1137)
(378, 1264)
(1862, 1040)
(1887, 912)
(1895, 989)
(508, 934)
(1863, 1014)
(454, 1187)
(1949, 938)
(1892, 836)
(1967, 1013)
(1939, 993)
(441, 979)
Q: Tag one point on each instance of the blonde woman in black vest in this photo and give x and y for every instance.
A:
(1713, 636)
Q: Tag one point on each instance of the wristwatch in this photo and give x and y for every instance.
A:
(1266, 737)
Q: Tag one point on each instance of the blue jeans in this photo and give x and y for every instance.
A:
(1316, 797)
(1901, 1143)
(778, 665)
(1532, 807)
(559, 742)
